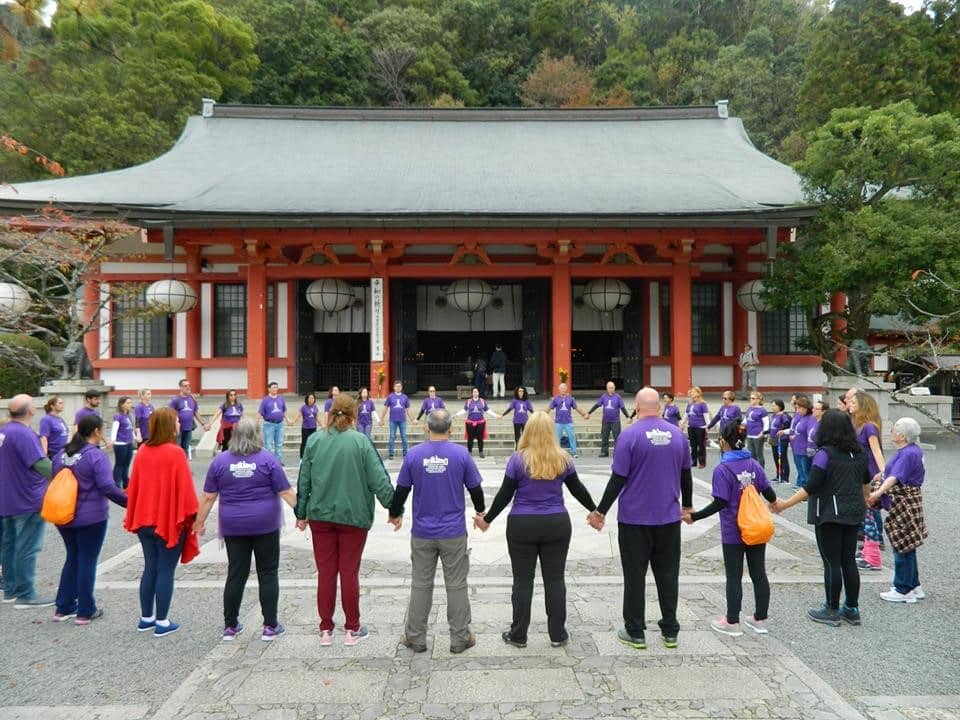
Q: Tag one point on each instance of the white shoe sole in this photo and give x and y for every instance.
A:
(724, 631)
(758, 630)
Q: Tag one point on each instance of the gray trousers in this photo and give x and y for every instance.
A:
(755, 446)
(452, 553)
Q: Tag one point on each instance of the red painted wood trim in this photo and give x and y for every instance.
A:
(681, 329)
(561, 312)
(256, 331)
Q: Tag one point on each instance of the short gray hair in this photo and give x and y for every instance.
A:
(438, 422)
(246, 438)
(909, 428)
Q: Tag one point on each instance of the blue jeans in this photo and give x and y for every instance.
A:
(184, 440)
(803, 463)
(906, 576)
(159, 564)
(394, 425)
(79, 573)
(567, 429)
(273, 438)
(366, 430)
(122, 455)
(22, 542)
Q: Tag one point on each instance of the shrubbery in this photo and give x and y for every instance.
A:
(20, 371)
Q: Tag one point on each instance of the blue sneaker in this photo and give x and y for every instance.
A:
(272, 632)
(231, 632)
(162, 630)
(145, 625)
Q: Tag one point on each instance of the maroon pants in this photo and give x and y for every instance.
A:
(336, 550)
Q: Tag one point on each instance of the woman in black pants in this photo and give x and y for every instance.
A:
(538, 526)
(836, 490)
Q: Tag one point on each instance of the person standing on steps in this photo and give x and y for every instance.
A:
(273, 415)
(522, 408)
(475, 425)
(430, 403)
(398, 410)
(498, 366)
(612, 405)
(564, 405)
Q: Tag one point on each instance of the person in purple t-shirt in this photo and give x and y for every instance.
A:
(229, 414)
(900, 494)
(737, 470)
(26, 472)
(437, 471)
(309, 413)
(430, 403)
(273, 415)
(185, 405)
(564, 405)
(121, 438)
(83, 536)
(521, 407)
(756, 422)
(331, 396)
(697, 417)
(54, 434)
(865, 415)
(141, 414)
(612, 405)
(728, 412)
(671, 413)
(538, 526)
(475, 424)
(799, 430)
(780, 440)
(651, 476)
(366, 412)
(91, 406)
(250, 484)
(398, 410)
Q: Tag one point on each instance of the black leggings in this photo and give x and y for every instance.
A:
(266, 550)
(305, 434)
(546, 537)
(733, 555)
(475, 432)
(517, 432)
(838, 548)
(698, 444)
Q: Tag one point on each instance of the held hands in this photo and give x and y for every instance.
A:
(777, 507)
(301, 525)
(397, 522)
(596, 520)
(479, 523)
(199, 528)
(686, 514)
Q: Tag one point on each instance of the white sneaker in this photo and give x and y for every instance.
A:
(918, 593)
(758, 626)
(897, 597)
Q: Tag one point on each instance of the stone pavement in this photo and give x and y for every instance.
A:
(594, 676)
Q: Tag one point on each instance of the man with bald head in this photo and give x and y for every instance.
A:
(24, 474)
(651, 476)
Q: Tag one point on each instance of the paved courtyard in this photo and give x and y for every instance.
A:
(902, 663)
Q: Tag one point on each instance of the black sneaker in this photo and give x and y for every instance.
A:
(637, 642)
(825, 615)
(850, 615)
(670, 641)
(510, 641)
(560, 643)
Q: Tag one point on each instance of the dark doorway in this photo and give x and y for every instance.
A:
(341, 359)
(445, 359)
(597, 356)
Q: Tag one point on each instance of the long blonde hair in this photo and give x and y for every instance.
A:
(696, 394)
(867, 411)
(543, 458)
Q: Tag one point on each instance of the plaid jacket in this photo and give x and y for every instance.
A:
(905, 524)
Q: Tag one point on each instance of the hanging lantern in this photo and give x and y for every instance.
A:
(469, 295)
(607, 294)
(173, 296)
(14, 300)
(330, 295)
(750, 296)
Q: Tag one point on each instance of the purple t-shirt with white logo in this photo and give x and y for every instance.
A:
(730, 478)
(799, 430)
(248, 487)
(536, 497)
(365, 410)
(611, 405)
(907, 466)
(650, 454)
(671, 413)
(697, 415)
(438, 471)
(726, 415)
(272, 409)
(309, 414)
(812, 428)
(232, 413)
(431, 404)
(124, 428)
(55, 430)
(186, 409)
(755, 420)
(868, 431)
(398, 404)
(83, 412)
(21, 487)
(564, 405)
(521, 410)
(142, 413)
(95, 485)
(476, 410)
(778, 422)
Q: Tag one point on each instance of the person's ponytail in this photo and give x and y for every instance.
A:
(86, 427)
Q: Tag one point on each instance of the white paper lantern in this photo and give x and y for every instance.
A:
(14, 300)
(330, 295)
(469, 295)
(749, 296)
(173, 296)
(606, 294)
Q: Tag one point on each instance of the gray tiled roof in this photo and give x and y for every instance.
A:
(354, 166)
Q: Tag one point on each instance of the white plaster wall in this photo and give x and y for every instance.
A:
(282, 295)
(104, 320)
(117, 268)
(790, 376)
(654, 319)
(142, 378)
(448, 319)
(752, 331)
(660, 376)
(180, 335)
(587, 319)
(714, 375)
(206, 320)
(224, 377)
(351, 320)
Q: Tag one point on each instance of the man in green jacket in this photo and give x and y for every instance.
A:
(340, 475)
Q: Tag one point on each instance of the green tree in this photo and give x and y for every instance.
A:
(889, 184)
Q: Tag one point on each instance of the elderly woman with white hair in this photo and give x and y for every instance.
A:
(250, 483)
(901, 496)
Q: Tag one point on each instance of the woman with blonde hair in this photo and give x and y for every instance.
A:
(697, 417)
(538, 525)
(865, 414)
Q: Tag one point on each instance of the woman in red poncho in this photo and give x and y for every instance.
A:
(161, 507)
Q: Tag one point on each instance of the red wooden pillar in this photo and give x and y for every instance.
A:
(561, 316)
(91, 307)
(838, 304)
(194, 321)
(380, 346)
(256, 328)
(681, 327)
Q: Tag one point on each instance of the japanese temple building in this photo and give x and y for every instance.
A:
(611, 243)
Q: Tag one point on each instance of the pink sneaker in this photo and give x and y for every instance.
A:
(352, 637)
(726, 628)
(326, 637)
